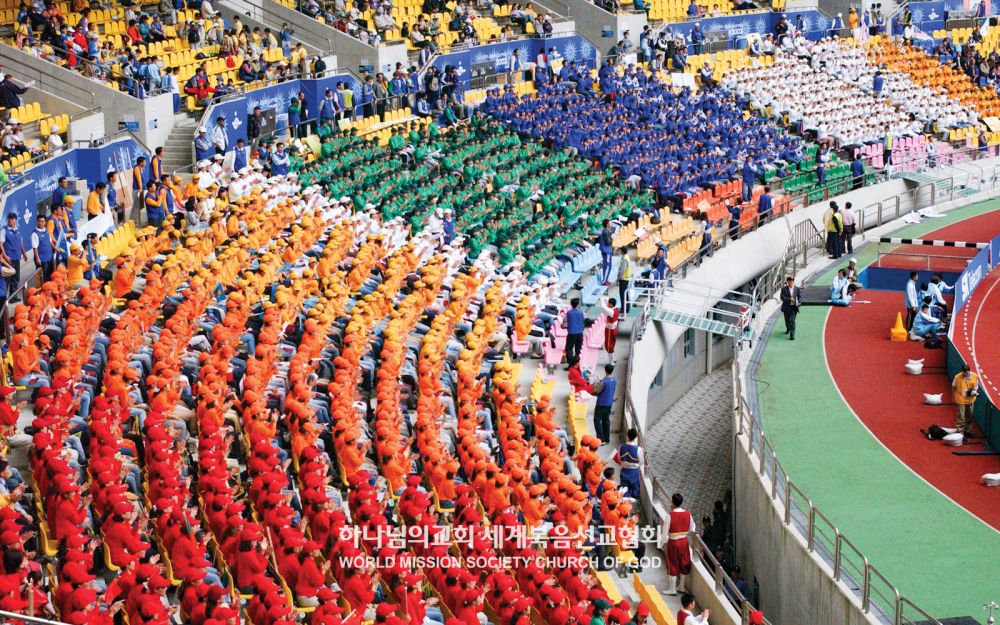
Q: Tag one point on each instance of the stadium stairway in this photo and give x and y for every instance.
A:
(177, 150)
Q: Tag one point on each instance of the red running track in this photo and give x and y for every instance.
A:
(868, 370)
(928, 258)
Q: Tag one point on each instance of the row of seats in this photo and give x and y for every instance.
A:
(28, 113)
(59, 124)
(112, 245)
(724, 61)
(677, 10)
(676, 231)
(669, 228)
(593, 289)
(18, 163)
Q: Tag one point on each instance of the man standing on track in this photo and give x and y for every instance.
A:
(791, 299)
(912, 301)
(965, 389)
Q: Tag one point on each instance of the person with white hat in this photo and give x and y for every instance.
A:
(203, 147)
(54, 141)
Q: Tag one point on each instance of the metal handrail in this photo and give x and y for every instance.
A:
(18, 178)
(14, 617)
(90, 111)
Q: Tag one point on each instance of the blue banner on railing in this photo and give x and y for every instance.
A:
(971, 277)
(995, 253)
(90, 164)
(236, 111)
(498, 55)
(931, 16)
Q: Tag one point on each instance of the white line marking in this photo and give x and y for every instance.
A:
(975, 326)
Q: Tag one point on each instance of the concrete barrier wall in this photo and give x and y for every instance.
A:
(87, 127)
(701, 584)
(796, 586)
(734, 265)
(154, 115)
(591, 22)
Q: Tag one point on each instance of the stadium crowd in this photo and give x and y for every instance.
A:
(304, 353)
(268, 375)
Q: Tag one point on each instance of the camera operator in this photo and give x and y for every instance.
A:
(965, 389)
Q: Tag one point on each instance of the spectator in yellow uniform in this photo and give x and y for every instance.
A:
(95, 206)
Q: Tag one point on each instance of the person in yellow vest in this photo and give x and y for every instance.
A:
(139, 183)
(75, 266)
(95, 205)
(624, 277)
(156, 165)
(887, 146)
(965, 389)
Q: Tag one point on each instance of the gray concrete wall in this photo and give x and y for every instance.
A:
(350, 52)
(591, 21)
(87, 127)
(155, 114)
(702, 585)
(679, 372)
(796, 586)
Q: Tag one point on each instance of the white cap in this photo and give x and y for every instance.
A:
(202, 129)
(218, 157)
(12, 121)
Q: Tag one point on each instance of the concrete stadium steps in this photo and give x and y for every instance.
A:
(177, 150)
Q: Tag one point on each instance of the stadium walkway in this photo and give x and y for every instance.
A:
(939, 555)
(691, 444)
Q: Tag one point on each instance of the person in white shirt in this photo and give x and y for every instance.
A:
(611, 312)
(936, 287)
(54, 142)
(207, 10)
(219, 138)
(686, 614)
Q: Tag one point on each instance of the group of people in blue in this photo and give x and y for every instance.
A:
(673, 140)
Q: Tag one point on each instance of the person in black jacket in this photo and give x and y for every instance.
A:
(791, 299)
(304, 115)
(255, 125)
(10, 93)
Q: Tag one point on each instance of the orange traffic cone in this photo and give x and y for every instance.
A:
(898, 332)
